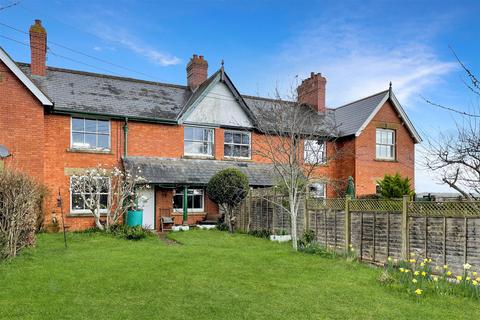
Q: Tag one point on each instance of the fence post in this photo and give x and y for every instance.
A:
(404, 228)
(306, 214)
(249, 209)
(274, 203)
(347, 228)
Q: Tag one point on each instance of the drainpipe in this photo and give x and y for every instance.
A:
(125, 138)
(185, 205)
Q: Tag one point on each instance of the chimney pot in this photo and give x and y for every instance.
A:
(197, 71)
(38, 48)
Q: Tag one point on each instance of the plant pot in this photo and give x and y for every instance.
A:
(134, 218)
(283, 238)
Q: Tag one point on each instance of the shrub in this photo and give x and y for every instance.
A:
(20, 201)
(129, 233)
(228, 188)
(395, 186)
(264, 233)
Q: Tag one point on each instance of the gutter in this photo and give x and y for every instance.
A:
(118, 117)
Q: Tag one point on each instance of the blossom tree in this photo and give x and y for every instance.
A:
(109, 192)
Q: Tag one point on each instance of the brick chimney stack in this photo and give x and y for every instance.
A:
(38, 48)
(197, 72)
(312, 92)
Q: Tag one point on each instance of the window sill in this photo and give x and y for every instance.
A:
(385, 160)
(82, 215)
(237, 159)
(179, 214)
(205, 157)
(73, 150)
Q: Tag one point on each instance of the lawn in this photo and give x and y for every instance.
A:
(206, 275)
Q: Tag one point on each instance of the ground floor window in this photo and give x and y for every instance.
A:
(318, 190)
(79, 195)
(195, 199)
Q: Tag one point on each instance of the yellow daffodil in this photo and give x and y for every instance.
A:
(422, 264)
(449, 273)
(437, 268)
(475, 282)
(445, 266)
(478, 279)
(407, 270)
(424, 273)
(429, 260)
(401, 270)
(459, 278)
(474, 273)
(468, 279)
(418, 291)
(389, 259)
(414, 280)
(412, 261)
(425, 260)
(416, 273)
(435, 279)
(412, 254)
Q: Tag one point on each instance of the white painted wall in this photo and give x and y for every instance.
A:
(149, 208)
(219, 107)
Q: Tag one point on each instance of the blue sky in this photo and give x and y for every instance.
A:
(360, 46)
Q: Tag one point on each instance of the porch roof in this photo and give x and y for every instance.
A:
(169, 171)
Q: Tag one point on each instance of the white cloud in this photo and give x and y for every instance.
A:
(358, 61)
(126, 40)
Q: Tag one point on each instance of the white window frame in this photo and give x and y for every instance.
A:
(314, 195)
(308, 158)
(202, 209)
(201, 141)
(379, 143)
(238, 144)
(72, 146)
(72, 210)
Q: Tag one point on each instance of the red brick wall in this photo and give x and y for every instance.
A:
(367, 169)
(60, 161)
(155, 140)
(21, 125)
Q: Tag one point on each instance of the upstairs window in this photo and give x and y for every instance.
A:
(90, 134)
(237, 144)
(198, 141)
(195, 200)
(385, 144)
(314, 152)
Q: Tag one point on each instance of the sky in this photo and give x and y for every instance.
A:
(359, 46)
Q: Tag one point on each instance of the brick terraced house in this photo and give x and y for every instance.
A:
(56, 122)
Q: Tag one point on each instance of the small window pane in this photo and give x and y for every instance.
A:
(90, 140)
(77, 202)
(197, 202)
(244, 152)
(198, 134)
(188, 133)
(178, 201)
(237, 138)
(228, 150)
(77, 139)
(103, 141)
(77, 124)
(90, 125)
(103, 126)
(246, 139)
(103, 201)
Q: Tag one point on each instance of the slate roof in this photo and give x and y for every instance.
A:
(84, 92)
(195, 172)
(351, 117)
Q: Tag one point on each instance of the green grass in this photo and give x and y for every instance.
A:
(210, 275)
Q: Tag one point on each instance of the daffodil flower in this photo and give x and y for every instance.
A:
(414, 280)
(424, 273)
(418, 291)
(416, 273)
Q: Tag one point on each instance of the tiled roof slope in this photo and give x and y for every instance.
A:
(85, 92)
(196, 172)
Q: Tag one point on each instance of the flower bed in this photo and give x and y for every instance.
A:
(421, 276)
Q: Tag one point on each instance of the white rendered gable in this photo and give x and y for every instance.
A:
(219, 107)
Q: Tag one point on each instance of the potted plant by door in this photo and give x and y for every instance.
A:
(135, 213)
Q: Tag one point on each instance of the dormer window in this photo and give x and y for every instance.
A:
(90, 134)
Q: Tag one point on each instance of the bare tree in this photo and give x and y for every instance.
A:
(293, 137)
(108, 192)
(455, 157)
